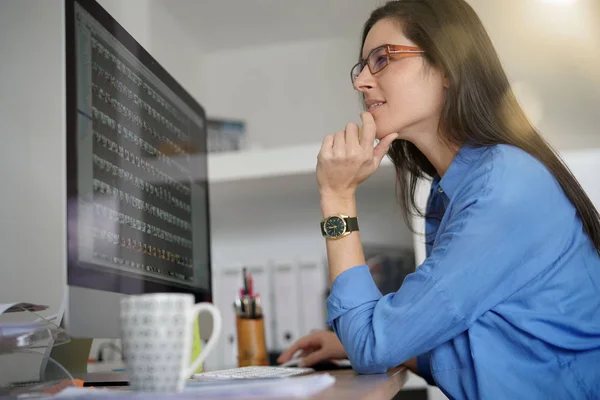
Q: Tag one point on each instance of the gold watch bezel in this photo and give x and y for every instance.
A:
(343, 218)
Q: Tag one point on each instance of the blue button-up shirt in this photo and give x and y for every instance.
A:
(507, 303)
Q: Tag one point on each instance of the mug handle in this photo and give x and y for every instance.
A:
(214, 336)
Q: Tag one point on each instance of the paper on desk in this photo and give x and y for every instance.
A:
(300, 386)
(16, 307)
(294, 387)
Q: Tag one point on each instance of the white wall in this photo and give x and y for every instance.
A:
(551, 52)
(289, 93)
(32, 112)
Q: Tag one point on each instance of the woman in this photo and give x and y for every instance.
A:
(507, 302)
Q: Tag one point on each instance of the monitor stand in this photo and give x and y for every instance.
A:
(74, 357)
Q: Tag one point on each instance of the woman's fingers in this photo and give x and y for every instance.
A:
(347, 158)
(304, 353)
(327, 145)
(368, 130)
(313, 358)
(306, 343)
(382, 148)
(339, 143)
(352, 136)
(289, 353)
(348, 140)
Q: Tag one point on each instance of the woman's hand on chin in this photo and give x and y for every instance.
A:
(348, 158)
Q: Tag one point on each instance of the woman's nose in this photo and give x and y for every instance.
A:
(365, 80)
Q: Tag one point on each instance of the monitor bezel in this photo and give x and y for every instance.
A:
(84, 274)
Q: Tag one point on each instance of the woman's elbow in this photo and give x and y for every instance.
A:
(366, 362)
(367, 356)
(368, 369)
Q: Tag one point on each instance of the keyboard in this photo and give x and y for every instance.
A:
(254, 372)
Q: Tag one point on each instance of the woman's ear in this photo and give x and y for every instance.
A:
(446, 82)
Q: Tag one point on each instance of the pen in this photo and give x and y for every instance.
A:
(250, 285)
(257, 306)
(244, 272)
(246, 304)
(237, 304)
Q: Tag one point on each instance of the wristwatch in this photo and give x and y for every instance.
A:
(337, 226)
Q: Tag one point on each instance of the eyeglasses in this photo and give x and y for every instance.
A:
(379, 58)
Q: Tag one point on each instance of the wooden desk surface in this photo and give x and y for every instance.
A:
(350, 386)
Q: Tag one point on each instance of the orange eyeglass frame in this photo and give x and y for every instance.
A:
(389, 50)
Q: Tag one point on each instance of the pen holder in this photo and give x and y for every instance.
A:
(252, 349)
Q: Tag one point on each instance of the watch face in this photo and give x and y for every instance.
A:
(335, 226)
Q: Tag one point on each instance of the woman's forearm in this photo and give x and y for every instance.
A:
(346, 252)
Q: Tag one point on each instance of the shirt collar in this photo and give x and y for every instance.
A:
(461, 164)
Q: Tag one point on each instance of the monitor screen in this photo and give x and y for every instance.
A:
(137, 185)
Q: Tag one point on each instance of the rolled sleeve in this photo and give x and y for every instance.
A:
(424, 368)
(352, 288)
(381, 332)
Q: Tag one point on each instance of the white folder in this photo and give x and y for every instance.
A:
(313, 290)
(286, 304)
(227, 287)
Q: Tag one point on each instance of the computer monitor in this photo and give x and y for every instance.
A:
(137, 184)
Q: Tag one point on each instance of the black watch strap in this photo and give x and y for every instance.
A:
(351, 223)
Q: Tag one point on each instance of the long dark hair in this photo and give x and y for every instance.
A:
(480, 109)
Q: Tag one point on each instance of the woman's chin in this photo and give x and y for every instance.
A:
(383, 133)
(384, 128)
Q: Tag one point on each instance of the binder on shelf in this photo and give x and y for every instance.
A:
(226, 289)
(286, 304)
(313, 288)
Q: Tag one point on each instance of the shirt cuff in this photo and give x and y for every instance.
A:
(352, 288)
(424, 368)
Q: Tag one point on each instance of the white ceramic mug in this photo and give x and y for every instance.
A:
(157, 334)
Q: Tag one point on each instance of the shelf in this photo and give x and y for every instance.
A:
(299, 162)
(265, 163)
(280, 177)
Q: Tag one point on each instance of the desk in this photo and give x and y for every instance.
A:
(350, 386)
